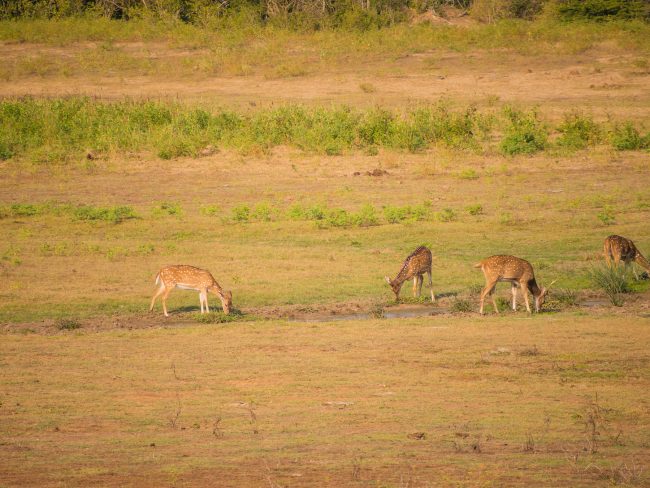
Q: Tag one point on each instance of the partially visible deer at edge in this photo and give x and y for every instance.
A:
(190, 278)
(518, 272)
(416, 264)
(618, 248)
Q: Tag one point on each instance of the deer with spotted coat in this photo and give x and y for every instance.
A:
(518, 272)
(190, 278)
(618, 248)
(416, 264)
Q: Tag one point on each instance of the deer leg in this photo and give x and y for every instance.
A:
(433, 297)
(164, 300)
(514, 297)
(205, 299)
(420, 282)
(524, 291)
(159, 292)
(489, 287)
(494, 300)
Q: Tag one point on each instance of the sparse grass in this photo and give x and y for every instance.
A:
(565, 296)
(220, 317)
(461, 305)
(114, 215)
(67, 324)
(275, 391)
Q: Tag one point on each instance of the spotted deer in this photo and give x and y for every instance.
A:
(518, 272)
(617, 249)
(190, 278)
(416, 264)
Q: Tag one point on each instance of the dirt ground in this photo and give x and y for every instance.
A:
(599, 81)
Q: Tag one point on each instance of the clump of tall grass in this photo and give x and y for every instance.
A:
(412, 213)
(578, 131)
(625, 137)
(114, 214)
(613, 280)
(461, 305)
(525, 134)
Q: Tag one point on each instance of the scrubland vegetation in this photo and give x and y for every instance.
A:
(300, 151)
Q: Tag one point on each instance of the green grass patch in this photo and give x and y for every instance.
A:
(220, 317)
(65, 130)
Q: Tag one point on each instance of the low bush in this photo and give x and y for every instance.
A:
(109, 214)
(625, 137)
(578, 132)
(525, 134)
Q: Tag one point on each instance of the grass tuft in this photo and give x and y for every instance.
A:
(613, 280)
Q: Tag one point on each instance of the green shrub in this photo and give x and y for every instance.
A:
(525, 134)
(262, 212)
(446, 215)
(240, 213)
(412, 213)
(612, 280)
(606, 216)
(627, 138)
(461, 305)
(67, 324)
(578, 132)
(109, 214)
(476, 209)
(600, 10)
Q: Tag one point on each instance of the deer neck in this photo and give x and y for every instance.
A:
(533, 287)
(217, 290)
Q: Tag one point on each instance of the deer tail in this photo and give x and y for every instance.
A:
(158, 279)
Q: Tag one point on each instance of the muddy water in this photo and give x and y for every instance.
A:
(400, 311)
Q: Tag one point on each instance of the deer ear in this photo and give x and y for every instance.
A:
(387, 279)
(550, 285)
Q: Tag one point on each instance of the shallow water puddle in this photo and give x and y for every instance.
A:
(388, 313)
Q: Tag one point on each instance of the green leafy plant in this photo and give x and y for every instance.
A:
(525, 134)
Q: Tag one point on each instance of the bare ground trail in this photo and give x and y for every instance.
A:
(598, 80)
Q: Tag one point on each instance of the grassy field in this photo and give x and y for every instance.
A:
(548, 400)
(301, 168)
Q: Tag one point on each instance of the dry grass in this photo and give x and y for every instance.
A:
(329, 404)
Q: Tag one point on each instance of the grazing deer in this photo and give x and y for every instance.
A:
(416, 264)
(617, 249)
(190, 278)
(518, 272)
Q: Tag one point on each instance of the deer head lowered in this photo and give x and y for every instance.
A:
(518, 272)
(190, 278)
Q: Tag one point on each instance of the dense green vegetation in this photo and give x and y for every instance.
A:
(72, 128)
(311, 14)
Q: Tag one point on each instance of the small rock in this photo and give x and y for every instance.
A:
(208, 151)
